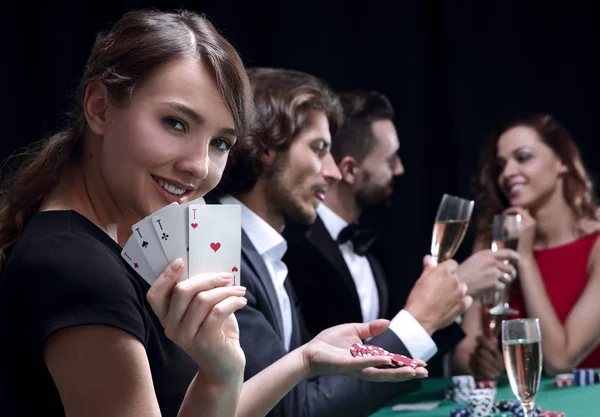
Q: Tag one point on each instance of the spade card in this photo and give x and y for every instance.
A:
(215, 237)
(172, 230)
(149, 242)
(132, 253)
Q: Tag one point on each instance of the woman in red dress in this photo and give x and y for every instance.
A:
(532, 167)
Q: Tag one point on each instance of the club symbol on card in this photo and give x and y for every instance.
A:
(165, 236)
(144, 244)
(194, 225)
(234, 269)
(215, 246)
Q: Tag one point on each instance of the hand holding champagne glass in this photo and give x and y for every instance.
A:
(451, 223)
(522, 351)
(506, 229)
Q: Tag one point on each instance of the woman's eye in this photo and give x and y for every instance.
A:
(222, 144)
(524, 157)
(175, 124)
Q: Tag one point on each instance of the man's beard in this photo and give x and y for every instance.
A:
(280, 197)
(372, 195)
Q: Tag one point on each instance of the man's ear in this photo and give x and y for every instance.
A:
(95, 105)
(268, 156)
(348, 168)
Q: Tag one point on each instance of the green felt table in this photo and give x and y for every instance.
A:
(573, 401)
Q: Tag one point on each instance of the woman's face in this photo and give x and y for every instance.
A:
(529, 171)
(170, 143)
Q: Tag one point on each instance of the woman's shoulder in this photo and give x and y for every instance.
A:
(64, 236)
(590, 227)
(66, 248)
(591, 232)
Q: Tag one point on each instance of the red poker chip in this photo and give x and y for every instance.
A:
(552, 414)
(397, 361)
(401, 360)
(486, 384)
(563, 382)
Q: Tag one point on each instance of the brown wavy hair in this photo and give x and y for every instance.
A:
(123, 58)
(283, 101)
(578, 189)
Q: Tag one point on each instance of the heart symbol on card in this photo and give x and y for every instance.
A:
(215, 246)
(234, 269)
(194, 225)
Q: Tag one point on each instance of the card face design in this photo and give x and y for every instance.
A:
(132, 253)
(143, 231)
(215, 237)
(207, 237)
(172, 231)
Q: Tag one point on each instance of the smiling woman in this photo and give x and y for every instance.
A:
(532, 167)
(163, 99)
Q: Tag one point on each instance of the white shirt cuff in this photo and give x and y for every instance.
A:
(413, 335)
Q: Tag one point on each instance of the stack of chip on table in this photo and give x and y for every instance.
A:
(463, 386)
(580, 377)
(517, 410)
(481, 402)
(564, 380)
(505, 408)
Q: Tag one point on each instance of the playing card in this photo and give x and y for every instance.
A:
(172, 230)
(132, 253)
(145, 235)
(215, 237)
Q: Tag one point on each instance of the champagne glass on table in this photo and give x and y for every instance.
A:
(450, 227)
(522, 351)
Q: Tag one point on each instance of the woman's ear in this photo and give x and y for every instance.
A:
(95, 105)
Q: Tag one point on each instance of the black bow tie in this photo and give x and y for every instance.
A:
(362, 238)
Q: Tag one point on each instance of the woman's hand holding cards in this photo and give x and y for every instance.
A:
(329, 353)
(197, 315)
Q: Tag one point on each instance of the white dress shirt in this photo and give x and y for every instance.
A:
(271, 246)
(404, 325)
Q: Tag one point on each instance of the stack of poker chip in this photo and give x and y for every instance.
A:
(584, 377)
(481, 402)
(552, 414)
(564, 380)
(463, 386)
(580, 377)
(486, 384)
(517, 410)
(503, 406)
(459, 412)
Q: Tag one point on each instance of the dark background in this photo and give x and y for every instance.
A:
(451, 69)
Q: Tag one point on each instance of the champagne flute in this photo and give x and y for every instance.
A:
(491, 313)
(450, 227)
(506, 229)
(522, 351)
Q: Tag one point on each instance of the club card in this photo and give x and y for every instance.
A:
(132, 253)
(172, 230)
(149, 243)
(215, 237)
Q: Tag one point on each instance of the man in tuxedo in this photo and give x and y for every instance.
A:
(336, 276)
(281, 172)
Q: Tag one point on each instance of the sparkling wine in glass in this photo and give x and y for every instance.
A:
(450, 227)
(491, 314)
(506, 229)
(522, 351)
